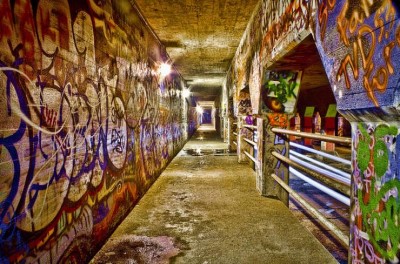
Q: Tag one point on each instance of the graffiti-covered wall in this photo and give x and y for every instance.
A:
(274, 28)
(86, 124)
(362, 65)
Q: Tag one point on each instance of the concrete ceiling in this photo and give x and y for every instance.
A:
(305, 57)
(201, 36)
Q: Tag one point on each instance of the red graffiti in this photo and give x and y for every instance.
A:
(49, 117)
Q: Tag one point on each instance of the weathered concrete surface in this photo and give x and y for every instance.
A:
(201, 37)
(210, 208)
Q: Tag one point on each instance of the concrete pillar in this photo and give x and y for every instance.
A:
(268, 163)
(365, 78)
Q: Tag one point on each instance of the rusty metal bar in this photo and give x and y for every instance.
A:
(251, 127)
(335, 230)
(327, 138)
(250, 142)
(251, 157)
(336, 184)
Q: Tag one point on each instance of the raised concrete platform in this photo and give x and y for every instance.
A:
(204, 208)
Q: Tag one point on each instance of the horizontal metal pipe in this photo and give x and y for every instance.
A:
(320, 170)
(327, 138)
(338, 196)
(333, 183)
(249, 126)
(324, 165)
(335, 230)
(321, 153)
(250, 142)
(251, 157)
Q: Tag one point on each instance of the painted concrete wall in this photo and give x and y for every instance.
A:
(359, 45)
(363, 68)
(86, 124)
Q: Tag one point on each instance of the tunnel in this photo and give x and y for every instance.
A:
(214, 131)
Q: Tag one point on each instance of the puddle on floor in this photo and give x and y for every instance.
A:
(206, 152)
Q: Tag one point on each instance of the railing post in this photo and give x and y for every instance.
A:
(269, 142)
(240, 142)
(260, 176)
(231, 136)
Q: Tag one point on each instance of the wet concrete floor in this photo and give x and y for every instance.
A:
(205, 209)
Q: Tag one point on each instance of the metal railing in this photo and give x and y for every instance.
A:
(252, 144)
(329, 179)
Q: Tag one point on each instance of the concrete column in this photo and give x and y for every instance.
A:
(269, 164)
(365, 80)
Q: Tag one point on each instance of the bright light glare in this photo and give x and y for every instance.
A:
(165, 69)
(186, 93)
(199, 109)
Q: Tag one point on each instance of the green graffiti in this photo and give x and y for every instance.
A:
(283, 89)
(363, 154)
(380, 218)
(381, 155)
(382, 227)
(381, 158)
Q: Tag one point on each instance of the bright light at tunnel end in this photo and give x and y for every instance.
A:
(199, 109)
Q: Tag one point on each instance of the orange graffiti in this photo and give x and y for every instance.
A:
(323, 15)
(278, 120)
(292, 17)
(365, 46)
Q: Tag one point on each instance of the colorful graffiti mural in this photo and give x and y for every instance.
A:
(280, 90)
(86, 125)
(361, 69)
(281, 22)
(375, 208)
(362, 74)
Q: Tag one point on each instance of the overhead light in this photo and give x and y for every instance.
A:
(165, 69)
(186, 93)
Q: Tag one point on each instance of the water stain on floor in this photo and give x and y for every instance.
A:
(206, 152)
(138, 250)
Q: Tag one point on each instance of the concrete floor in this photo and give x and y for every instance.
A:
(204, 208)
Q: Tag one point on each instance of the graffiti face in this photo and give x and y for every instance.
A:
(280, 90)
